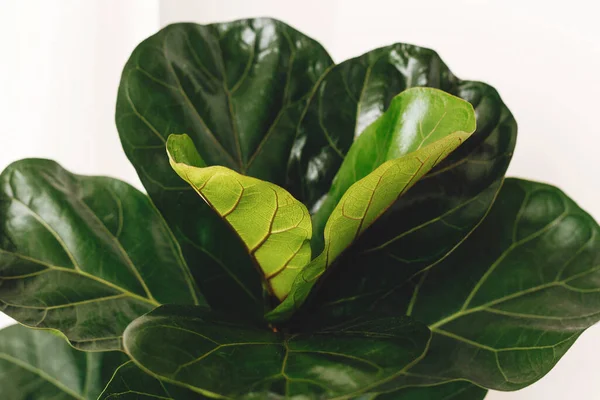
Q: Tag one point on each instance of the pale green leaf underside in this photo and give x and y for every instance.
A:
(360, 206)
(275, 227)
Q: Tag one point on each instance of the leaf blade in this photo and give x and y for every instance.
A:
(415, 118)
(37, 364)
(238, 88)
(370, 351)
(274, 227)
(442, 209)
(360, 202)
(515, 303)
(70, 249)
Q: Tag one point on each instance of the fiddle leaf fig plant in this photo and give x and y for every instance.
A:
(311, 230)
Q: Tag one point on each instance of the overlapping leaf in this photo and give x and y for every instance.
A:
(416, 118)
(38, 365)
(504, 298)
(274, 227)
(508, 303)
(440, 211)
(368, 185)
(84, 255)
(354, 93)
(220, 357)
(238, 89)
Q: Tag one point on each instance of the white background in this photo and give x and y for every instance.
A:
(61, 60)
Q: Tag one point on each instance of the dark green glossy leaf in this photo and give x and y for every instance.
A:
(238, 89)
(84, 255)
(439, 212)
(363, 275)
(274, 227)
(219, 356)
(40, 365)
(131, 383)
(509, 302)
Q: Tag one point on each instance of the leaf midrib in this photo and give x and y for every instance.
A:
(76, 266)
(82, 273)
(534, 289)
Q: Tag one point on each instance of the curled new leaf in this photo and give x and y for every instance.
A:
(368, 198)
(415, 118)
(443, 208)
(274, 227)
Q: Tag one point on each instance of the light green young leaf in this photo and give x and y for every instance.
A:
(368, 198)
(415, 118)
(275, 228)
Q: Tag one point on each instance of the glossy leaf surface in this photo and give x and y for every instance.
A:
(527, 287)
(274, 227)
(416, 118)
(508, 303)
(220, 357)
(84, 255)
(354, 93)
(359, 207)
(39, 365)
(129, 382)
(238, 89)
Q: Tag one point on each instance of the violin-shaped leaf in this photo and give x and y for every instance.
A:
(84, 255)
(275, 228)
(224, 357)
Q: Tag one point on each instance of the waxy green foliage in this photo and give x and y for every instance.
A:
(312, 230)
(276, 228)
(421, 128)
(84, 255)
(211, 354)
(239, 90)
